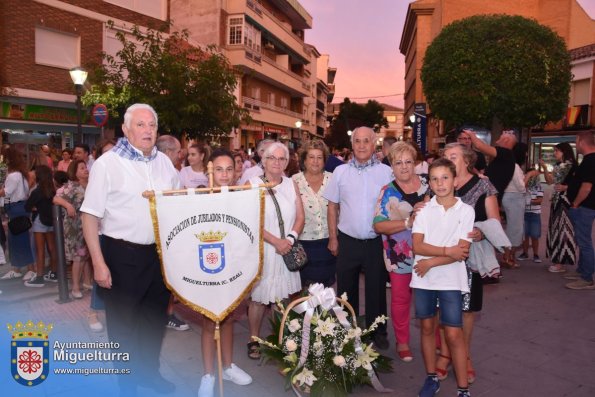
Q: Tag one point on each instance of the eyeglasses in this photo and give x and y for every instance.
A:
(277, 159)
(406, 163)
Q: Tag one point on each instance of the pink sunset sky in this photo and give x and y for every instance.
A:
(362, 38)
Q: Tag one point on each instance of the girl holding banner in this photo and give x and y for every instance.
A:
(223, 175)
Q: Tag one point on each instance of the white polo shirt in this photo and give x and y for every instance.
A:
(114, 194)
(443, 229)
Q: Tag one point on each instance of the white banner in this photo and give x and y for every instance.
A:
(210, 247)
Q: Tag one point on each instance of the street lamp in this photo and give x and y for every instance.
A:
(78, 76)
(412, 118)
(298, 125)
(349, 132)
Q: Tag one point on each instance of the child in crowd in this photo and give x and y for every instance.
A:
(223, 175)
(533, 201)
(441, 245)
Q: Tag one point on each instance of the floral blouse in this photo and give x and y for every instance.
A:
(394, 204)
(315, 207)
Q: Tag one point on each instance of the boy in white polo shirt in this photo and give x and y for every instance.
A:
(441, 245)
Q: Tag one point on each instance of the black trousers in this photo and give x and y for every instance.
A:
(357, 255)
(135, 306)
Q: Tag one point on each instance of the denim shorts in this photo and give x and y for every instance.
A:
(532, 225)
(39, 227)
(451, 306)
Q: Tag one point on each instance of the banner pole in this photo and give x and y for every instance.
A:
(219, 362)
(210, 174)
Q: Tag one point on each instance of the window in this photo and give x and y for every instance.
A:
(284, 102)
(255, 92)
(58, 49)
(235, 30)
(252, 37)
(391, 119)
(579, 92)
(271, 98)
(243, 33)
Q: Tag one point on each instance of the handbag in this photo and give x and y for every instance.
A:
(19, 224)
(296, 258)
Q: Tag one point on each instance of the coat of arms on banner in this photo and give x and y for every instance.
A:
(211, 254)
(29, 353)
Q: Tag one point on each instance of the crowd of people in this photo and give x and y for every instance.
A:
(429, 225)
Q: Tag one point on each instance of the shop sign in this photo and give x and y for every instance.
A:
(18, 111)
(274, 130)
(419, 127)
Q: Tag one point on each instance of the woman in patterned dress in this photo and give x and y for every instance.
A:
(561, 246)
(482, 196)
(393, 219)
(71, 198)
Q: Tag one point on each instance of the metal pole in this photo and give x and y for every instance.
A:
(58, 218)
(79, 127)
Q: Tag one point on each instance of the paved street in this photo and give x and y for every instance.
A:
(533, 338)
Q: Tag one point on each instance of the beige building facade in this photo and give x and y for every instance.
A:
(264, 41)
(426, 18)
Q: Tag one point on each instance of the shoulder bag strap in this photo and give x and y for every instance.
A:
(272, 194)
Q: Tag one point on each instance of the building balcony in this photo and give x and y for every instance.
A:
(267, 69)
(270, 25)
(265, 112)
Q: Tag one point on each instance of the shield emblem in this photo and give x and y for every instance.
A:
(211, 257)
(29, 361)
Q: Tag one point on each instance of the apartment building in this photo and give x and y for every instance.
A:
(264, 41)
(426, 18)
(396, 126)
(44, 39)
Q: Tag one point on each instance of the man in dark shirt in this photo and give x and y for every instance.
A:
(501, 167)
(464, 139)
(581, 195)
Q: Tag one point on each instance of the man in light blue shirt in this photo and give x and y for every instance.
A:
(354, 187)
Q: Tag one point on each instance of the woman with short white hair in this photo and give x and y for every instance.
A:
(276, 281)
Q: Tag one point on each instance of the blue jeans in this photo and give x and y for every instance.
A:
(582, 221)
(451, 306)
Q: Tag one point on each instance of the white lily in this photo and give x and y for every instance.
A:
(325, 327)
(305, 377)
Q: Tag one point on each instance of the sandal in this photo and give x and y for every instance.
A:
(442, 373)
(254, 350)
(470, 372)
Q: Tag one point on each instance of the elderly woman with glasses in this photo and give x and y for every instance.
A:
(394, 214)
(276, 281)
(311, 183)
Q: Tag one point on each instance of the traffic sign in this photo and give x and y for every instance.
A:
(99, 115)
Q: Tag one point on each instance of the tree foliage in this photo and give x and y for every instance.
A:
(191, 88)
(352, 115)
(502, 67)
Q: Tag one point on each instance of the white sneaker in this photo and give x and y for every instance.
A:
(207, 386)
(29, 275)
(11, 274)
(236, 375)
(94, 323)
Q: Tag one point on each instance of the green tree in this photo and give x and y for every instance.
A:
(497, 67)
(190, 88)
(352, 115)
